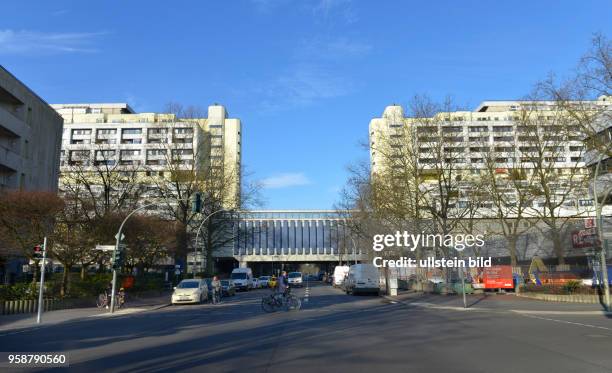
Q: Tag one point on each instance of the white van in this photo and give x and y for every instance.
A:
(340, 273)
(363, 278)
(243, 278)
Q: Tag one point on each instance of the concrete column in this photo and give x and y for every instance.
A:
(242, 263)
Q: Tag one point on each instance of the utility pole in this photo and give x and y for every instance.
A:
(42, 281)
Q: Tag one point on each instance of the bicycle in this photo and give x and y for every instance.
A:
(275, 302)
(103, 300)
(216, 296)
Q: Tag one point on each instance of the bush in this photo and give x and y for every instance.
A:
(19, 291)
(572, 287)
(148, 282)
(91, 286)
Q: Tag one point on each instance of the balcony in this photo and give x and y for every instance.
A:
(11, 124)
(9, 159)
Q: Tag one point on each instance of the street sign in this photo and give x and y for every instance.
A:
(105, 247)
(590, 223)
(120, 239)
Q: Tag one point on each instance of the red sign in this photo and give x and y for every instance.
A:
(589, 223)
(584, 238)
(497, 277)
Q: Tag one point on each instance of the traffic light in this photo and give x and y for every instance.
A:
(196, 206)
(118, 258)
(38, 252)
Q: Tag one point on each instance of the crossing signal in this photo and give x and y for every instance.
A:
(38, 252)
(196, 205)
(118, 258)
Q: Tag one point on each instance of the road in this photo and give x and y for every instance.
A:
(332, 333)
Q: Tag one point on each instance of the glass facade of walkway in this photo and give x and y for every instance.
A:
(293, 233)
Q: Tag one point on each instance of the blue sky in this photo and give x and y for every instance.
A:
(305, 77)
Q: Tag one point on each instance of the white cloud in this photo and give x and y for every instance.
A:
(301, 85)
(285, 180)
(35, 42)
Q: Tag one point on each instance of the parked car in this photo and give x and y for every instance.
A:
(340, 273)
(190, 291)
(264, 281)
(255, 282)
(243, 278)
(362, 278)
(295, 279)
(272, 282)
(228, 289)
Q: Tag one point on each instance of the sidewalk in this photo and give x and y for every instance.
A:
(20, 322)
(496, 302)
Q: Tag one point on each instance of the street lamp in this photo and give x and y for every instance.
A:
(602, 240)
(117, 243)
(195, 249)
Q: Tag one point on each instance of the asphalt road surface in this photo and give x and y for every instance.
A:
(333, 332)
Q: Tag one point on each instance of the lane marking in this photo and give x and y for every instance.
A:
(567, 322)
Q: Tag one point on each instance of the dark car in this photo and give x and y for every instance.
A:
(227, 288)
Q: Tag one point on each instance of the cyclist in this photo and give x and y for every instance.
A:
(216, 288)
(107, 292)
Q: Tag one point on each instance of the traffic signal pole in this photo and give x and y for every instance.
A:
(112, 304)
(42, 282)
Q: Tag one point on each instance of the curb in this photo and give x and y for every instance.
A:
(520, 312)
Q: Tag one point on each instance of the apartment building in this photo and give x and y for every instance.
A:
(511, 134)
(114, 136)
(30, 137)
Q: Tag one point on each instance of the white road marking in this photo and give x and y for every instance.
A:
(567, 322)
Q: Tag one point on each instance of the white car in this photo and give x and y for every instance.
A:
(295, 279)
(264, 281)
(190, 291)
(255, 282)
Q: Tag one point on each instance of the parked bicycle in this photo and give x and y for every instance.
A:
(104, 299)
(276, 301)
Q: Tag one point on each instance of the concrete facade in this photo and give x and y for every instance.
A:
(150, 144)
(30, 138)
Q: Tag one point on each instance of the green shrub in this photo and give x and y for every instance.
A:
(572, 286)
(19, 291)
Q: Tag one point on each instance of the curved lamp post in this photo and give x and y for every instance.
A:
(603, 241)
(195, 250)
(117, 243)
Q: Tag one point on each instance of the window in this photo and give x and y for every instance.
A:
(129, 153)
(216, 126)
(156, 152)
(107, 131)
(479, 129)
(503, 138)
(502, 129)
(131, 131)
(83, 141)
(157, 131)
(131, 141)
(81, 132)
(183, 130)
(180, 152)
(454, 129)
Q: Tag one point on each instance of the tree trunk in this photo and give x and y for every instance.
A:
(64, 285)
(512, 250)
(558, 247)
(83, 271)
